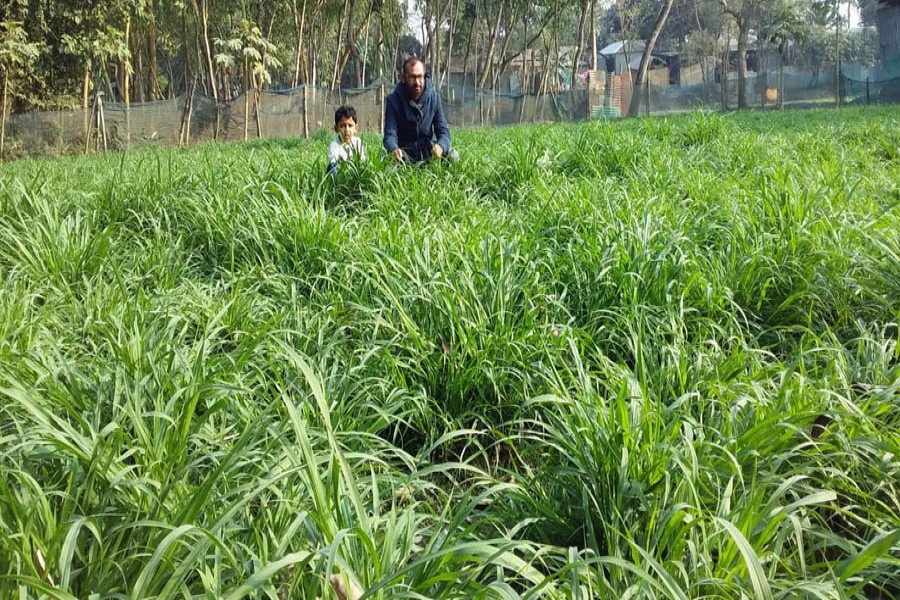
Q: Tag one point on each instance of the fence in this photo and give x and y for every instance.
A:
(297, 112)
(303, 111)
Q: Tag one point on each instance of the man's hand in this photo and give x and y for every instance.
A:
(437, 151)
(398, 155)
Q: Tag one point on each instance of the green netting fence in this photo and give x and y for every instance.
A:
(305, 110)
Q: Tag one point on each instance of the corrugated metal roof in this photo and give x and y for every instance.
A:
(619, 47)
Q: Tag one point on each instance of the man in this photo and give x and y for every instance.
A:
(415, 128)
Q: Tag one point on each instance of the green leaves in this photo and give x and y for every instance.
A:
(16, 52)
(880, 546)
(547, 370)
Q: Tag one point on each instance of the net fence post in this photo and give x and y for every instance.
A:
(305, 111)
(101, 117)
(90, 127)
(381, 105)
(127, 122)
(647, 94)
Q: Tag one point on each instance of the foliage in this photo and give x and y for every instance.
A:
(248, 47)
(154, 49)
(17, 54)
(860, 46)
(646, 359)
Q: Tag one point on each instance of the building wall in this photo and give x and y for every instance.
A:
(888, 21)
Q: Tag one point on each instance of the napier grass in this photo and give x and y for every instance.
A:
(649, 359)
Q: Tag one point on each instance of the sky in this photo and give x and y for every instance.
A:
(415, 20)
(854, 16)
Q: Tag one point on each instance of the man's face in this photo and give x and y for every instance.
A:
(414, 80)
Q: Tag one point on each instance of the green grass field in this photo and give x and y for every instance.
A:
(645, 359)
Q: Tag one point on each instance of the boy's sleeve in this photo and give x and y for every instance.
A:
(390, 127)
(335, 153)
(362, 150)
(441, 128)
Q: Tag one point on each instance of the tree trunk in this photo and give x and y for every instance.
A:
(396, 55)
(554, 69)
(837, 55)
(3, 114)
(380, 53)
(184, 133)
(523, 88)
(465, 65)
(448, 64)
(726, 60)
(173, 88)
(428, 34)
(338, 59)
(364, 59)
(189, 83)
(554, 66)
(743, 34)
(108, 80)
(702, 58)
(492, 43)
(201, 9)
(138, 91)
(579, 43)
(504, 62)
(312, 77)
(152, 81)
(299, 17)
(635, 107)
(436, 47)
(352, 38)
(542, 87)
(126, 67)
(593, 35)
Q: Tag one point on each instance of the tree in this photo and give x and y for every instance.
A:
(742, 12)
(779, 26)
(256, 56)
(201, 12)
(861, 46)
(635, 106)
(17, 55)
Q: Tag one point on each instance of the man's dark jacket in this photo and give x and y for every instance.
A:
(414, 126)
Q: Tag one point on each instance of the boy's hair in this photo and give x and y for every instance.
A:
(345, 112)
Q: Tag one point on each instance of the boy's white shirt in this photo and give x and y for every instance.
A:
(339, 151)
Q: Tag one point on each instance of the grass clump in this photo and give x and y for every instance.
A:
(653, 359)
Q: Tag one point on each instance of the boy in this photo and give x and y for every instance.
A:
(346, 143)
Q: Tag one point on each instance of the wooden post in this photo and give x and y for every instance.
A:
(3, 116)
(184, 136)
(88, 110)
(305, 111)
(101, 118)
(647, 97)
(88, 129)
(190, 112)
(382, 105)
